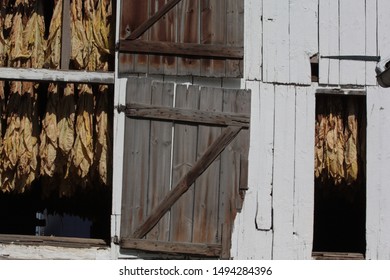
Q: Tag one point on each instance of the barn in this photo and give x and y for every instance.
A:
(194, 129)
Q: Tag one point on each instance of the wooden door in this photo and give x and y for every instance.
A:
(185, 173)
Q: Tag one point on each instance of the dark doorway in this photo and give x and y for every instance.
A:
(340, 186)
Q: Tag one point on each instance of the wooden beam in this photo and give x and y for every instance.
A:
(182, 49)
(184, 184)
(207, 250)
(51, 75)
(187, 115)
(147, 24)
(66, 46)
(52, 241)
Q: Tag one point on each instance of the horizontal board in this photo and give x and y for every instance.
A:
(187, 115)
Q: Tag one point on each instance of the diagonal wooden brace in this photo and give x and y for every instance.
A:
(212, 152)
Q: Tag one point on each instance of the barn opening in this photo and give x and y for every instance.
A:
(340, 177)
(56, 123)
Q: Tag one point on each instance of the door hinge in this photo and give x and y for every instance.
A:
(353, 57)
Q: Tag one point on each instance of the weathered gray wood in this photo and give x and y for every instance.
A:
(52, 75)
(207, 250)
(206, 226)
(136, 159)
(187, 115)
(70, 242)
(160, 158)
(184, 157)
(213, 31)
(188, 21)
(182, 49)
(157, 33)
(200, 166)
(234, 34)
(66, 46)
(148, 23)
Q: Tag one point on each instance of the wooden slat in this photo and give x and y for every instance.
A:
(213, 31)
(337, 256)
(283, 183)
(304, 172)
(371, 39)
(181, 49)
(184, 157)
(188, 21)
(234, 34)
(276, 52)
(152, 20)
(329, 72)
(253, 40)
(52, 75)
(187, 115)
(136, 159)
(352, 42)
(65, 36)
(160, 158)
(170, 62)
(262, 135)
(199, 167)
(52, 241)
(206, 226)
(206, 250)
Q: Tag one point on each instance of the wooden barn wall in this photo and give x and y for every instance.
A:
(277, 219)
(217, 22)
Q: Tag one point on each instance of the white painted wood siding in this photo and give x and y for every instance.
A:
(348, 27)
(276, 221)
(378, 174)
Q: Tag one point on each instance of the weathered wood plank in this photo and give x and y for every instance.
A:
(262, 137)
(276, 40)
(157, 14)
(234, 34)
(160, 158)
(187, 115)
(199, 167)
(65, 36)
(329, 72)
(283, 183)
(383, 31)
(352, 18)
(212, 31)
(53, 75)
(303, 39)
(206, 227)
(170, 62)
(182, 49)
(136, 160)
(184, 157)
(207, 250)
(304, 172)
(378, 176)
(371, 39)
(253, 40)
(188, 22)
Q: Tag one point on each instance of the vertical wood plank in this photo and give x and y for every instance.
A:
(283, 187)
(383, 31)
(371, 40)
(234, 34)
(378, 176)
(276, 41)
(184, 156)
(253, 58)
(136, 160)
(206, 228)
(157, 33)
(352, 18)
(329, 69)
(188, 24)
(213, 31)
(262, 126)
(160, 158)
(170, 62)
(303, 39)
(304, 172)
(234, 101)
